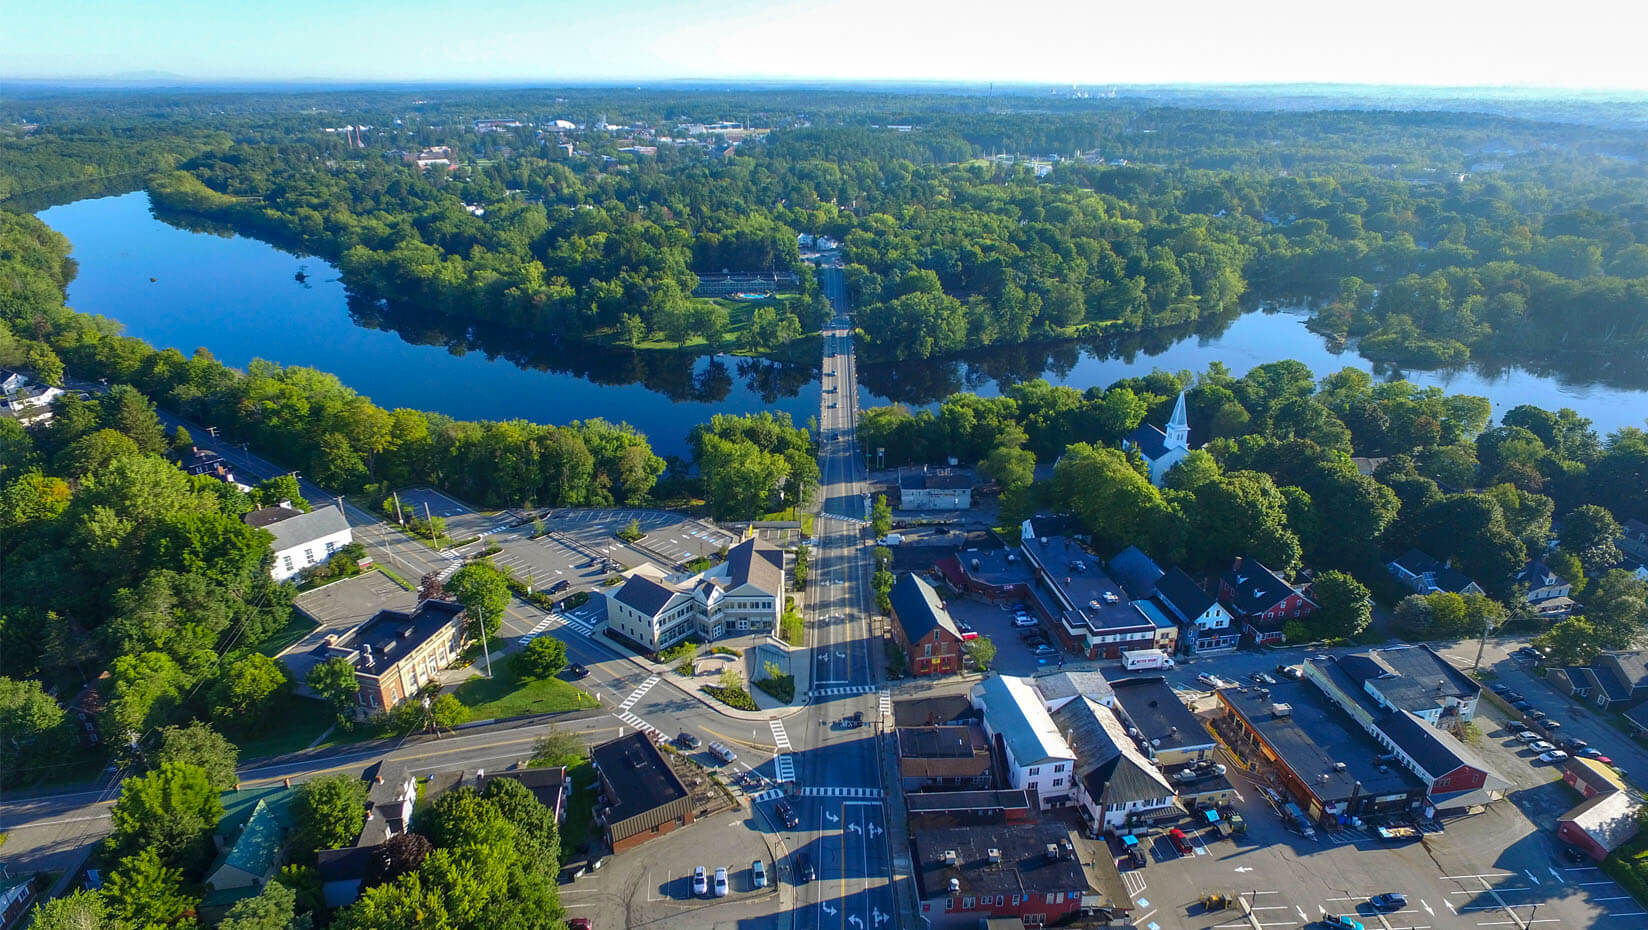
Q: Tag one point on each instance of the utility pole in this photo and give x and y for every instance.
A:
(1487, 627)
(399, 517)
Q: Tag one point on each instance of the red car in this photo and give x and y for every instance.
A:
(1180, 841)
(580, 923)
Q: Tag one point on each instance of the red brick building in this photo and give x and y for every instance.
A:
(924, 628)
(1261, 601)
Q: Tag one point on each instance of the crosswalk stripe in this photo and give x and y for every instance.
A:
(843, 689)
(886, 703)
(781, 738)
(824, 791)
(635, 695)
(784, 767)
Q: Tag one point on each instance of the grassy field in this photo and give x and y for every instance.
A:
(738, 316)
(294, 725)
(295, 629)
(506, 696)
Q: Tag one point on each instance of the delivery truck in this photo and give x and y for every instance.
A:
(1135, 659)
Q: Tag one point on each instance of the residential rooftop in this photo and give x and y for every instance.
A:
(919, 610)
(1016, 712)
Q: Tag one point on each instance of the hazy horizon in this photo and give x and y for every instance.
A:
(1410, 43)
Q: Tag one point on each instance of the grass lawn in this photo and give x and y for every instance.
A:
(295, 629)
(738, 320)
(295, 724)
(579, 826)
(506, 696)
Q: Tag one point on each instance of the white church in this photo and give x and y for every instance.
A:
(1162, 449)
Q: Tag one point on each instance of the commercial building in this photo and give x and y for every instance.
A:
(1115, 784)
(302, 540)
(644, 797)
(1261, 601)
(1590, 777)
(1411, 678)
(927, 488)
(743, 593)
(924, 628)
(1035, 753)
(396, 653)
(1026, 871)
(950, 758)
(998, 574)
(1089, 611)
(935, 810)
(1170, 733)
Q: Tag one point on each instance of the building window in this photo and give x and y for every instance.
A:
(331, 547)
(309, 555)
(1057, 782)
(967, 904)
(1058, 767)
(1035, 770)
(287, 561)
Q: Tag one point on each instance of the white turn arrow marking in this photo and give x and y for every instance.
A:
(878, 916)
(1241, 868)
(841, 653)
(874, 830)
(856, 921)
(827, 908)
(831, 817)
(1427, 907)
(1555, 875)
(855, 828)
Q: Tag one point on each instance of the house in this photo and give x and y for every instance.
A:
(1600, 824)
(396, 653)
(1411, 678)
(251, 842)
(1170, 733)
(1590, 777)
(1427, 575)
(1633, 539)
(389, 801)
(644, 797)
(1034, 752)
(549, 785)
(343, 871)
(951, 758)
(16, 896)
(1261, 601)
(924, 628)
(927, 488)
(27, 397)
(1137, 572)
(1613, 681)
(206, 462)
(1088, 610)
(1206, 624)
(1026, 871)
(439, 155)
(1542, 583)
(11, 381)
(745, 592)
(302, 539)
(1115, 784)
(1162, 449)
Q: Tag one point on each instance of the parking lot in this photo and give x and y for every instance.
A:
(1494, 869)
(1014, 656)
(462, 521)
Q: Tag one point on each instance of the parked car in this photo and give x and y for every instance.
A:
(1528, 736)
(576, 671)
(1180, 841)
(1550, 724)
(688, 741)
(1291, 671)
(804, 868)
(1512, 696)
(1537, 714)
(580, 923)
(1523, 706)
(1389, 901)
(1554, 756)
(786, 815)
(1540, 746)
(1599, 757)
(758, 874)
(720, 882)
(1577, 746)
(1212, 681)
(1023, 620)
(1045, 650)
(700, 881)
(1499, 687)
(1342, 922)
(1574, 854)
(560, 586)
(1262, 678)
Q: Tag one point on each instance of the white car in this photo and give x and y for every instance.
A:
(1023, 620)
(700, 882)
(1212, 681)
(1528, 736)
(1555, 755)
(720, 882)
(1540, 746)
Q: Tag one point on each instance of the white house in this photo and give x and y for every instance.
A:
(1207, 624)
(746, 592)
(1038, 758)
(934, 489)
(301, 539)
(1115, 783)
(11, 381)
(1162, 449)
(1542, 583)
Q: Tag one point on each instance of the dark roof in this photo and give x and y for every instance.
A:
(1024, 867)
(943, 479)
(1436, 752)
(1638, 715)
(1610, 683)
(758, 564)
(643, 594)
(1314, 736)
(1410, 677)
(918, 610)
(1136, 571)
(946, 742)
(1096, 600)
(392, 634)
(934, 711)
(1419, 562)
(347, 864)
(944, 801)
(1152, 442)
(1454, 581)
(1633, 664)
(637, 777)
(1110, 764)
(1181, 595)
(546, 784)
(198, 461)
(1537, 574)
(1154, 709)
(1257, 588)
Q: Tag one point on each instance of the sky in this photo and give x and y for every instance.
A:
(1571, 44)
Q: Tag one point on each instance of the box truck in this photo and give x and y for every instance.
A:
(1136, 659)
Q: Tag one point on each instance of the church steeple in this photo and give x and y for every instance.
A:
(1178, 427)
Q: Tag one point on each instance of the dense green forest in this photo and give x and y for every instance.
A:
(965, 223)
(1275, 481)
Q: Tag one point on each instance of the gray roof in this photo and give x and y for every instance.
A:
(1436, 752)
(643, 594)
(941, 479)
(637, 775)
(918, 610)
(294, 527)
(1152, 442)
(1181, 595)
(947, 801)
(1024, 868)
(756, 564)
(1410, 677)
(1111, 766)
(1154, 709)
(1633, 663)
(1013, 710)
(1136, 571)
(1315, 736)
(1061, 685)
(392, 634)
(1257, 588)
(1610, 819)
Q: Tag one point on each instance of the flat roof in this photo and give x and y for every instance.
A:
(1023, 866)
(391, 635)
(1154, 709)
(928, 802)
(945, 742)
(637, 776)
(994, 566)
(1096, 599)
(1315, 737)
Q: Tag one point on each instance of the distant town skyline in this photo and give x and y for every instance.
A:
(1061, 42)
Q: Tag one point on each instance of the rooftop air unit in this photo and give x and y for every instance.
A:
(994, 855)
(950, 859)
(1282, 710)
